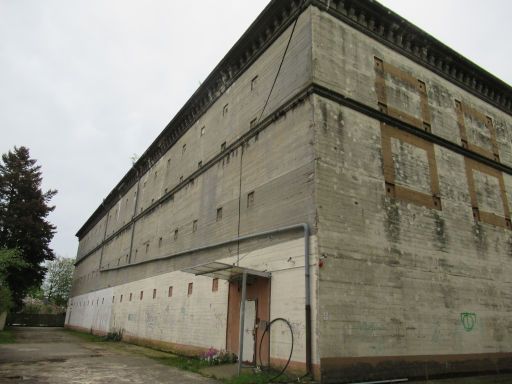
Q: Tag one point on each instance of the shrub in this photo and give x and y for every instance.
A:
(115, 335)
(216, 357)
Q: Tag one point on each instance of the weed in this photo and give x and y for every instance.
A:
(86, 336)
(186, 363)
(115, 335)
(251, 378)
(6, 337)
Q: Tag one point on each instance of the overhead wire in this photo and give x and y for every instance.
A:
(259, 119)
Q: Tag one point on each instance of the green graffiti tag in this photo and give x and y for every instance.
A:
(468, 320)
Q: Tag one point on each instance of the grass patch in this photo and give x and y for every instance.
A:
(182, 362)
(191, 364)
(252, 378)
(7, 337)
(196, 365)
(85, 336)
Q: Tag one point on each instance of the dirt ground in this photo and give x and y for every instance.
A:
(54, 356)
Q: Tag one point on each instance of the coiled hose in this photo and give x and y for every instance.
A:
(267, 329)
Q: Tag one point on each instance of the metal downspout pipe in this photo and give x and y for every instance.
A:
(307, 278)
(306, 230)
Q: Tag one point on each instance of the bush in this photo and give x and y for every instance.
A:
(216, 357)
(38, 306)
(115, 335)
(6, 302)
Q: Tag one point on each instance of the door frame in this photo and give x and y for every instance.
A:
(258, 288)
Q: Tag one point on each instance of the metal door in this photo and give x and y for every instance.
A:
(249, 332)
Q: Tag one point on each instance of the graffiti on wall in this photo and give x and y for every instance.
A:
(468, 320)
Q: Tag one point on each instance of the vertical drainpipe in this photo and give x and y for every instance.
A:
(135, 206)
(307, 279)
(307, 298)
(242, 325)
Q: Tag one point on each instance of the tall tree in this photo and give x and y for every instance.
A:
(58, 279)
(24, 209)
(10, 262)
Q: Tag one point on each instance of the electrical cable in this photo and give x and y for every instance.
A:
(280, 65)
(257, 121)
(267, 329)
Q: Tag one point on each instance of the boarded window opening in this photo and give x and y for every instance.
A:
(250, 199)
(194, 226)
(219, 214)
(190, 287)
(141, 295)
(169, 293)
(254, 82)
(154, 293)
(215, 285)
(176, 234)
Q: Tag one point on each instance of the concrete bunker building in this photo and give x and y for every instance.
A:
(357, 170)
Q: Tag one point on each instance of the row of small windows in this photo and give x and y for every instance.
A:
(190, 288)
(223, 147)
(202, 132)
(181, 178)
(254, 83)
(195, 225)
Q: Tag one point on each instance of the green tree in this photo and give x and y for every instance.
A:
(23, 224)
(58, 279)
(10, 262)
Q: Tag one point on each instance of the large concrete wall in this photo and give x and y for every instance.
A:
(343, 61)
(264, 183)
(402, 176)
(275, 166)
(412, 284)
(192, 323)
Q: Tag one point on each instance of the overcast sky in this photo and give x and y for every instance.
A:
(87, 83)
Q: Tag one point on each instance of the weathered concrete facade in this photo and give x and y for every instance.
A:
(392, 149)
